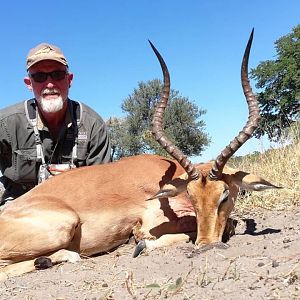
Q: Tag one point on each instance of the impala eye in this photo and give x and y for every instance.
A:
(224, 196)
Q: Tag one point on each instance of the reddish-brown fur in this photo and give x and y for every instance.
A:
(95, 209)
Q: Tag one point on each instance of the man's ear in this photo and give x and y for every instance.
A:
(27, 82)
(70, 79)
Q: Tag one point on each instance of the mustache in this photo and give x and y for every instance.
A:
(50, 91)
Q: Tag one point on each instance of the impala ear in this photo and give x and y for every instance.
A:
(251, 182)
(171, 189)
(261, 185)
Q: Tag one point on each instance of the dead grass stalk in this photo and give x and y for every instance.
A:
(281, 166)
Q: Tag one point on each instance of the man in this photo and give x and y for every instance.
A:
(50, 133)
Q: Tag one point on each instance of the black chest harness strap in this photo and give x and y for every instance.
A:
(31, 114)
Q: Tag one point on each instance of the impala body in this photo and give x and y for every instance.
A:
(94, 209)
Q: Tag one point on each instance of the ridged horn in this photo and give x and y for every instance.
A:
(251, 124)
(157, 128)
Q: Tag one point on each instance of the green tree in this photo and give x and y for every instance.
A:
(118, 137)
(280, 79)
(132, 134)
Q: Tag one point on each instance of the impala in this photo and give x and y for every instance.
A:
(91, 210)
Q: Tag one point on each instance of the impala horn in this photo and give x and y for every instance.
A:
(251, 124)
(157, 128)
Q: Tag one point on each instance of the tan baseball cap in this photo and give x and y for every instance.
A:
(45, 51)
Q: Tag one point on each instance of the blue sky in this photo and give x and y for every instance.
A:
(106, 45)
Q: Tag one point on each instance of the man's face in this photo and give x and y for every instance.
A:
(52, 92)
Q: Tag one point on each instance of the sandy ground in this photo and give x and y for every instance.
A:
(262, 262)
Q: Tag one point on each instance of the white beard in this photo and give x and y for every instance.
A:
(51, 105)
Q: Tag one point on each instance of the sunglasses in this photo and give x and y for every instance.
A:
(43, 76)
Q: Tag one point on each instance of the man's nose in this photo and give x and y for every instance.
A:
(49, 84)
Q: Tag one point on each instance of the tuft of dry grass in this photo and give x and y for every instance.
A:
(280, 166)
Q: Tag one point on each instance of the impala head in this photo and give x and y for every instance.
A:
(212, 187)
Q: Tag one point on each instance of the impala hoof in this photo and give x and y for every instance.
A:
(139, 248)
(42, 263)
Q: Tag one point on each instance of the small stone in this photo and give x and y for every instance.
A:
(261, 264)
(275, 264)
(286, 240)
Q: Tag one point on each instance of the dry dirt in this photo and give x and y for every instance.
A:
(262, 262)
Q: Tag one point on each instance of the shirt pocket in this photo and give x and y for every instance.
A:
(25, 165)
